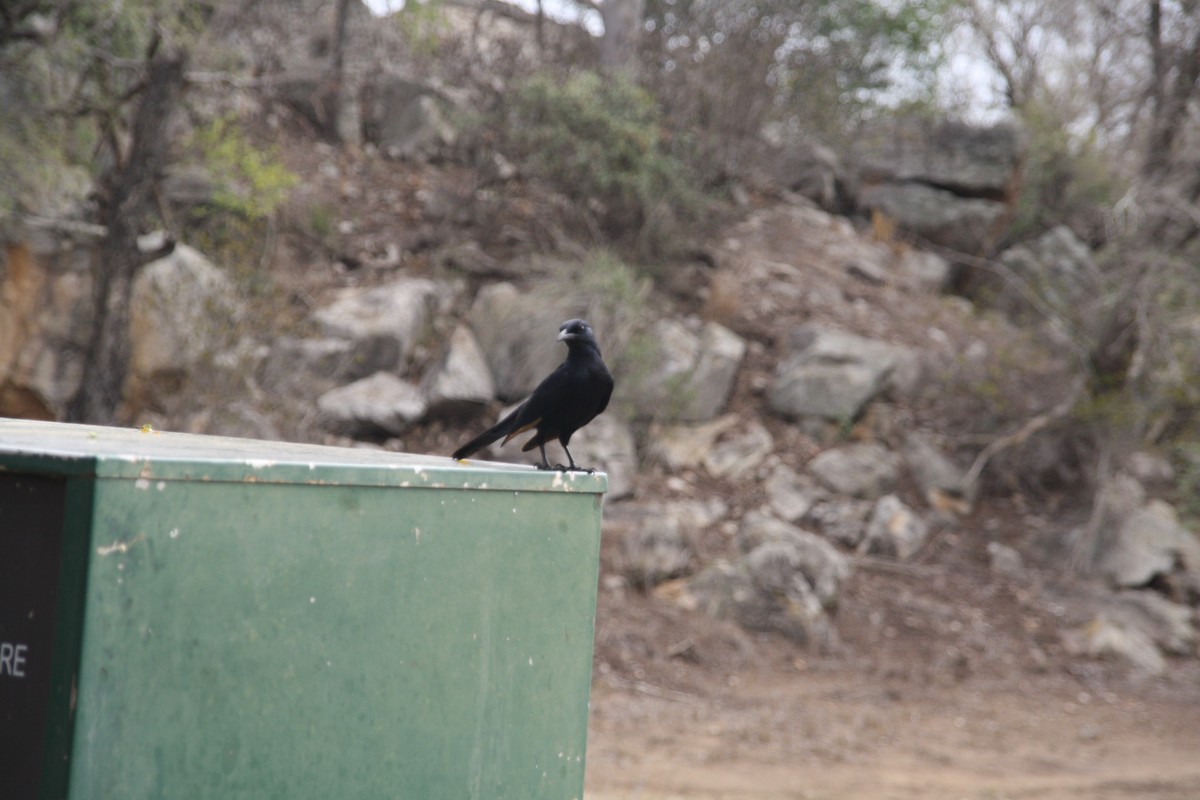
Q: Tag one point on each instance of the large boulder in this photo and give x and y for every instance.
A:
(787, 582)
(516, 331)
(950, 183)
(302, 367)
(397, 312)
(833, 374)
(1057, 266)
(965, 224)
(695, 369)
(405, 118)
(183, 309)
(803, 166)
(460, 383)
(969, 160)
(45, 325)
(381, 405)
(1150, 543)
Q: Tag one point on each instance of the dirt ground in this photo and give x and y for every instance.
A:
(947, 684)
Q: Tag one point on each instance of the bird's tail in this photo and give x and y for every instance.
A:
(501, 428)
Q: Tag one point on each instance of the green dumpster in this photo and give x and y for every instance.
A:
(189, 616)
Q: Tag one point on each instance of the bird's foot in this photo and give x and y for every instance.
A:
(573, 468)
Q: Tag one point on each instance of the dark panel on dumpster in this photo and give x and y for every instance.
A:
(31, 524)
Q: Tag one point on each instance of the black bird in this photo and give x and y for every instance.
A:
(569, 398)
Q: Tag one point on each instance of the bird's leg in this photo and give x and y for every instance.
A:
(545, 461)
(573, 467)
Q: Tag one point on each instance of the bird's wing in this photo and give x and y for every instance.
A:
(522, 429)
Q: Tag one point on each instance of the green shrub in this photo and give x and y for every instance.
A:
(1067, 179)
(600, 142)
(251, 181)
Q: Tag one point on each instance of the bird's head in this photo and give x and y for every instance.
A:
(574, 330)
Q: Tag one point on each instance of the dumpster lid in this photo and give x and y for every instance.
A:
(130, 453)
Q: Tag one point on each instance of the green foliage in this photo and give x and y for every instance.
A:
(1067, 178)
(251, 181)
(600, 142)
(320, 222)
(423, 25)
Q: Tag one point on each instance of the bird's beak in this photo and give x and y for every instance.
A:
(563, 335)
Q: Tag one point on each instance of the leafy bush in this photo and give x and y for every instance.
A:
(600, 142)
(251, 181)
(1067, 179)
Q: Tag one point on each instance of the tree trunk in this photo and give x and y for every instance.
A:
(622, 33)
(126, 201)
(1169, 99)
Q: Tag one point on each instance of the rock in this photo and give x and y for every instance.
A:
(405, 118)
(307, 90)
(382, 404)
(894, 530)
(969, 225)
(968, 160)
(469, 258)
(653, 553)
(769, 588)
(1150, 468)
(1170, 625)
(460, 383)
(397, 312)
(45, 326)
(1057, 266)
(680, 447)
(823, 567)
(842, 520)
(947, 182)
(517, 333)
(924, 270)
(303, 367)
(607, 445)
(695, 370)
(805, 167)
(655, 538)
(1004, 560)
(932, 471)
(1102, 637)
(1148, 544)
(790, 494)
(833, 375)
(738, 453)
(182, 310)
(711, 383)
(865, 470)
